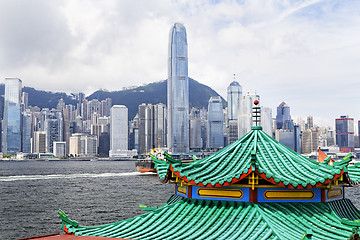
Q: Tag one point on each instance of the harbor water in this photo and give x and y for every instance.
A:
(90, 192)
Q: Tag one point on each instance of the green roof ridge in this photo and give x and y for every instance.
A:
(268, 222)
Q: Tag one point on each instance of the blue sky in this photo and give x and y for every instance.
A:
(305, 53)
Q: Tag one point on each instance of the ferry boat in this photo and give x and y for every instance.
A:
(147, 164)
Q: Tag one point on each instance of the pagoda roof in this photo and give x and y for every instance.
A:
(353, 175)
(183, 218)
(255, 152)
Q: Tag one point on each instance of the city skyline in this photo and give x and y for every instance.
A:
(304, 53)
(98, 128)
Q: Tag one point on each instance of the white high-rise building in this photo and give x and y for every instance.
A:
(245, 121)
(118, 130)
(266, 120)
(178, 91)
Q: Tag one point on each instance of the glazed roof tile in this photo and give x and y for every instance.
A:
(255, 152)
(353, 175)
(210, 219)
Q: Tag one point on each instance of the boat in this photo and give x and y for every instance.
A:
(147, 164)
(255, 188)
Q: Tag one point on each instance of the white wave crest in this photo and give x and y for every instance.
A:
(68, 176)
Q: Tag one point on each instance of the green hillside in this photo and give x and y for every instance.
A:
(154, 93)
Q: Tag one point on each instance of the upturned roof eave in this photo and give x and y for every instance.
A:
(254, 141)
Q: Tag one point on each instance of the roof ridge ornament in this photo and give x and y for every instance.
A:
(256, 116)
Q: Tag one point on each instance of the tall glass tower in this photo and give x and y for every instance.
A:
(12, 116)
(234, 93)
(178, 91)
(215, 127)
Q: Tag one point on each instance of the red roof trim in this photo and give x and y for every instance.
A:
(281, 184)
(262, 175)
(200, 184)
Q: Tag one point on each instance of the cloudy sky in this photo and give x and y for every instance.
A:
(306, 53)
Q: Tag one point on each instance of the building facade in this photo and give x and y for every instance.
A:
(118, 129)
(54, 128)
(245, 122)
(195, 133)
(344, 127)
(178, 91)
(310, 141)
(12, 116)
(234, 93)
(39, 142)
(26, 132)
(215, 127)
(283, 118)
(59, 149)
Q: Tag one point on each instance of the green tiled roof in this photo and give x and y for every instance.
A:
(255, 152)
(211, 219)
(353, 174)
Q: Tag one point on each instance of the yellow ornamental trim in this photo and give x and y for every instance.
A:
(289, 195)
(220, 193)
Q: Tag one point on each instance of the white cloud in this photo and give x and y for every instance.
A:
(305, 53)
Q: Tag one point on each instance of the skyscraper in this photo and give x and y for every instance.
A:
(309, 122)
(310, 141)
(345, 133)
(283, 118)
(286, 132)
(245, 121)
(54, 128)
(359, 132)
(195, 133)
(118, 129)
(178, 91)
(26, 131)
(152, 126)
(12, 116)
(215, 128)
(105, 107)
(93, 106)
(234, 93)
(160, 119)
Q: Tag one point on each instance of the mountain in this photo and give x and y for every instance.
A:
(42, 99)
(154, 93)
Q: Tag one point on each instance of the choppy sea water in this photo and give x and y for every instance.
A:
(91, 193)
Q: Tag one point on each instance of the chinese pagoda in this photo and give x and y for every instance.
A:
(255, 188)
